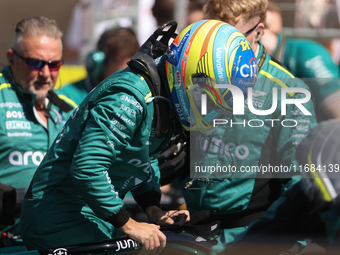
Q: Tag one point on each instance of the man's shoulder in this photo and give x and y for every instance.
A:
(277, 73)
(72, 87)
(126, 80)
(274, 68)
(5, 83)
(75, 92)
(304, 45)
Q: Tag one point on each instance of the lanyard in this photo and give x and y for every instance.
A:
(262, 58)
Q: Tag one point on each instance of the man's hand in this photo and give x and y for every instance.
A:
(155, 214)
(147, 234)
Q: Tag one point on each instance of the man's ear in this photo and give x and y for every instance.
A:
(10, 56)
(259, 31)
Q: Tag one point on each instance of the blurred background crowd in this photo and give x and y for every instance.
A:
(83, 21)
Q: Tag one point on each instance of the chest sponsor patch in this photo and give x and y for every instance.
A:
(16, 124)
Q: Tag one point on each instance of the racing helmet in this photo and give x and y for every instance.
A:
(204, 54)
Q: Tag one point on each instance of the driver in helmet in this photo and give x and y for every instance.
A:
(111, 142)
(239, 167)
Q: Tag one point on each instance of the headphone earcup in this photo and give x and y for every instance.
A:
(95, 64)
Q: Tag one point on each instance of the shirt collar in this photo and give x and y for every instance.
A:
(26, 97)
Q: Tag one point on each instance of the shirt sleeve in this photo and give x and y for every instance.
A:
(97, 151)
(149, 193)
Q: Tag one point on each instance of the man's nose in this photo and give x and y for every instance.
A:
(45, 71)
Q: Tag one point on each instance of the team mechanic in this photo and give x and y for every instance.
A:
(306, 59)
(31, 114)
(240, 198)
(114, 48)
(310, 209)
(107, 148)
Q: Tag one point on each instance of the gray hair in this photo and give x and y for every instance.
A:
(36, 26)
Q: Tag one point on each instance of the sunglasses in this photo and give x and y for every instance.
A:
(251, 30)
(37, 64)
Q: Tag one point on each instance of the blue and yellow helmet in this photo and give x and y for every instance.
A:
(206, 53)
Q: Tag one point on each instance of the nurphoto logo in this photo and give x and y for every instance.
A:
(239, 102)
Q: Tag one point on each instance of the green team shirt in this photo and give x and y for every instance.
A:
(24, 138)
(106, 149)
(76, 91)
(233, 197)
(311, 62)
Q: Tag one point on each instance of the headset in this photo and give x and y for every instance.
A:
(95, 60)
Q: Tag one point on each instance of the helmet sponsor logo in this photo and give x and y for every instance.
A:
(236, 66)
(183, 103)
(184, 67)
(178, 78)
(227, 29)
(245, 45)
(249, 70)
(179, 111)
(219, 66)
(187, 49)
(174, 54)
(183, 41)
